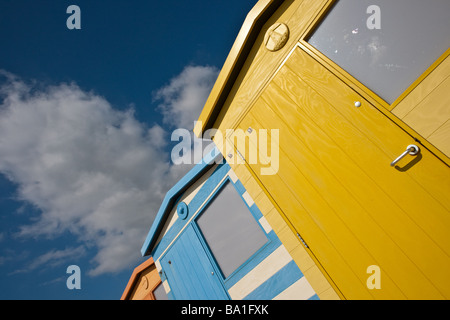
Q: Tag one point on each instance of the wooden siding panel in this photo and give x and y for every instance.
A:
(432, 111)
(441, 138)
(422, 90)
(426, 108)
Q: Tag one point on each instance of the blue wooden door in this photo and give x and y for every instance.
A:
(189, 271)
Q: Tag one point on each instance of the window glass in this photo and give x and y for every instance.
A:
(160, 293)
(230, 230)
(385, 44)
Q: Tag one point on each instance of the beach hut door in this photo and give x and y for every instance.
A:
(189, 272)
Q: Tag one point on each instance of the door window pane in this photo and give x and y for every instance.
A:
(230, 230)
(160, 293)
(385, 44)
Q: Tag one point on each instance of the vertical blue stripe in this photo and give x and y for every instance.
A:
(256, 212)
(239, 187)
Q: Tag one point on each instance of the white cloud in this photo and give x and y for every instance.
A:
(90, 169)
(53, 258)
(184, 97)
(181, 102)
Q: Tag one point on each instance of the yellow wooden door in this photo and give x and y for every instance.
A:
(336, 187)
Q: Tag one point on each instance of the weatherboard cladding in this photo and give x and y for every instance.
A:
(270, 273)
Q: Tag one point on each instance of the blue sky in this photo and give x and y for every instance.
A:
(85, 123)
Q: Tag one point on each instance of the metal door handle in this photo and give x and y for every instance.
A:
(412, 149)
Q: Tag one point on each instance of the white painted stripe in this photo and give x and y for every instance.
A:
(265, 224)
(299, 290)
(166, 286)
(173, 219)
(190, 193)
(232, 176)
(263, 271)
(158, 265)
(248, 199)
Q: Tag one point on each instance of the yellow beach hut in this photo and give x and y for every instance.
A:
(335, 115)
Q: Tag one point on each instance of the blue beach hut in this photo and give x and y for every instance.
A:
(210, 240)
